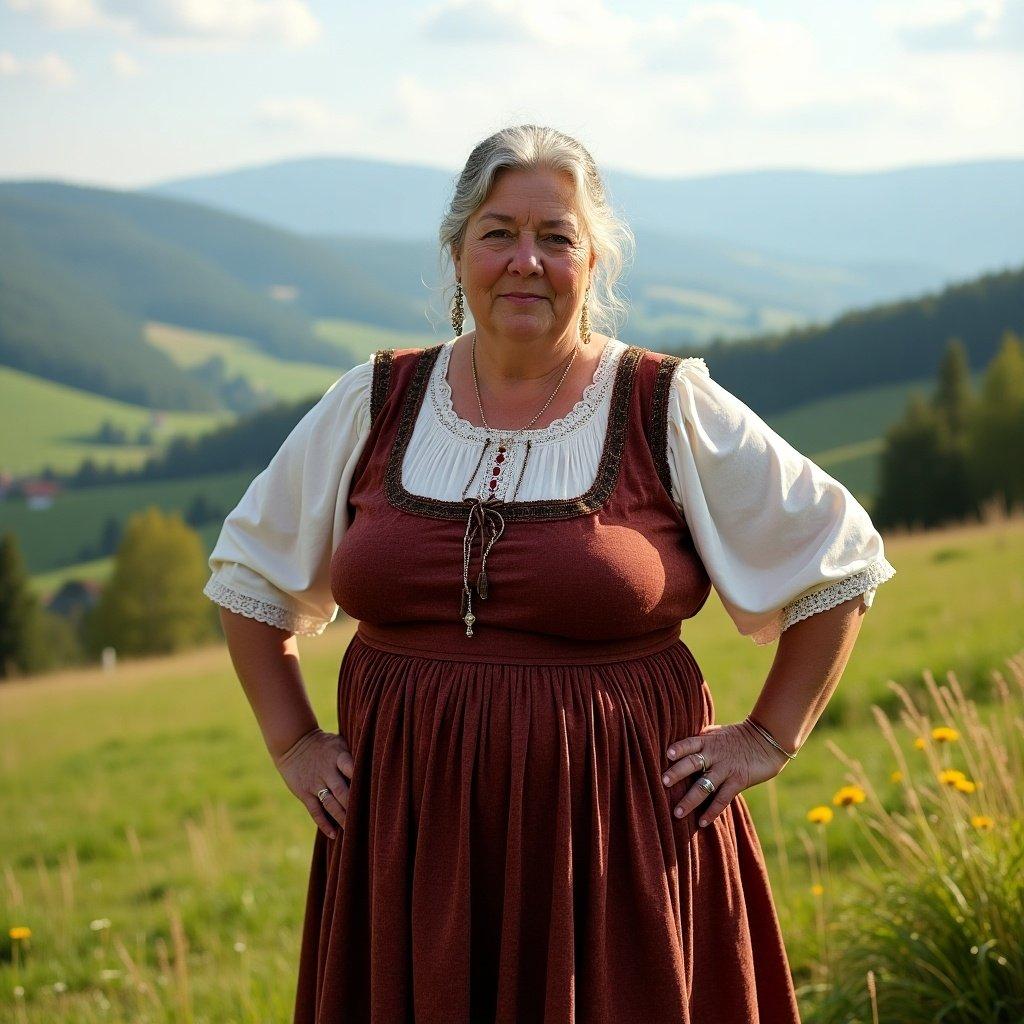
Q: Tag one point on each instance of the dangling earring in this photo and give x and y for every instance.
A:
(458, 312)
(585, 320)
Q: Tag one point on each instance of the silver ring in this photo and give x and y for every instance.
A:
(322, 793)
(706, 784)
(703, 761)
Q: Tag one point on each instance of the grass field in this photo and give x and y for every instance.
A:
(161, 863)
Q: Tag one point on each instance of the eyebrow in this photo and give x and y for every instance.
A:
(508, 219)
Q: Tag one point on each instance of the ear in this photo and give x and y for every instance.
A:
(457, 261)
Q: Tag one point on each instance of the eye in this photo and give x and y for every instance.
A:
(494, 231)
(562, 238)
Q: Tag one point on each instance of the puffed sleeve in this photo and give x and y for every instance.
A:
(272, 559)
(779, 537)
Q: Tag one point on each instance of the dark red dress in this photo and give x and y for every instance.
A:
(510, 853)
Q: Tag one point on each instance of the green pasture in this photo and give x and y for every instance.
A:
(50, 539)
(161, 863)
(43, 423)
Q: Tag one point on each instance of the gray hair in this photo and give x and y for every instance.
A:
(530, 147)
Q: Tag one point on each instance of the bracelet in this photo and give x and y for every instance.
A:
(769, 737)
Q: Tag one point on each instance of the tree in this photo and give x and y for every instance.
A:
(997, 426)
(953, 397)
(19, 609)
(153, 601)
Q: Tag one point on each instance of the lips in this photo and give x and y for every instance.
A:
(521, 295)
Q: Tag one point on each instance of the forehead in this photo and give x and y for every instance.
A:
(548, 197)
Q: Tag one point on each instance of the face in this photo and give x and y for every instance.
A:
(525, 239)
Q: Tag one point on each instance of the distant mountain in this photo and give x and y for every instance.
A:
(950, 220)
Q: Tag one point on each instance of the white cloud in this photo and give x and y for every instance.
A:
(50, 69)
(184, 23)
(304, 115)
(124, 65)
(950, 25)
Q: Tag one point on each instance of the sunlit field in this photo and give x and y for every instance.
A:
(154, 865)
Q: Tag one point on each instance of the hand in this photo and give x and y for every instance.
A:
(314, 761)
(737, 757)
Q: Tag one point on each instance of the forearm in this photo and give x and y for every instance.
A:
(809, 662)
(266, 660)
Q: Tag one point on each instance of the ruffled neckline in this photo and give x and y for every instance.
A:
(594, 394)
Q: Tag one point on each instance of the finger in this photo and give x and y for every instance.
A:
(684, 766)
(333, 808)
(721, 801)
(695, 796)
(321, 819)
(346, 763)
(687, 745)
(339, 786)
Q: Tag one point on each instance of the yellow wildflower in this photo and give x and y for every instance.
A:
(818, 890)
(983, 822)
(965, 785)
(944, 734)
(849, 795)
(20, 931)
(919, 743)
(896, 776)
(820, 815)
(950, 776)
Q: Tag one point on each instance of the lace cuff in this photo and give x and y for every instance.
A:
(864, 582)
(263, 610)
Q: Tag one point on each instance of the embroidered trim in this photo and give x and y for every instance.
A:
(573, 420)
(383, 359)
(866, 579)
(542, 508)
(659, 419)
(264, 611)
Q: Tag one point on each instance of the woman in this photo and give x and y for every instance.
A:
(520, 519)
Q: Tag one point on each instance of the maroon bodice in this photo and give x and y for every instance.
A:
(605, 570)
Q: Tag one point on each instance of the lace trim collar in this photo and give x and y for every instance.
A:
(594, 394)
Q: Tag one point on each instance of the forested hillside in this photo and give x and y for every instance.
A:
(886, 344)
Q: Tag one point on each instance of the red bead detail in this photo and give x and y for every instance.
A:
(500, 458)
(493, 484)
(501, 448)
(496, 470)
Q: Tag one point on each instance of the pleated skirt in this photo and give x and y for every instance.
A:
(510, 853)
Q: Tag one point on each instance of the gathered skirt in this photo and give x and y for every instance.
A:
(510, 853)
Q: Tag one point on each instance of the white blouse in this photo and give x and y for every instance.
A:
(779, 537)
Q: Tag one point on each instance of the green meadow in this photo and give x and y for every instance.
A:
(160, 863)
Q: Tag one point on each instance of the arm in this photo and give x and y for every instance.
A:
(266, 661)
(809, 662)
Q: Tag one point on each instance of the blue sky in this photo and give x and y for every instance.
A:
(122, 93)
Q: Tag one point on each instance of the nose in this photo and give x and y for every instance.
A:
(524, 260)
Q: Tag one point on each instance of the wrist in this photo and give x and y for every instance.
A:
(768, 739)
(297, 744)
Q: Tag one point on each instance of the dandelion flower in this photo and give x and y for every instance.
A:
(817, 889)
(896, 776)
(965, 785)
(919, 743)
(944, 734)
(20, 931)
(848, 795)
(950, 776)
(820, 815)
(983, 822)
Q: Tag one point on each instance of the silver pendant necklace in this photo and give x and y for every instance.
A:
(485, 519)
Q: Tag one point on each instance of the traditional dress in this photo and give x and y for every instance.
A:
(510, 852)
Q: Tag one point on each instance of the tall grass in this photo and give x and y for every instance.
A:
(929, 926)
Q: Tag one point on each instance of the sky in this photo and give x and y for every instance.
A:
(127, 94)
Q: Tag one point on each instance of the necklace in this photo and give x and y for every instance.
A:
(484, 515)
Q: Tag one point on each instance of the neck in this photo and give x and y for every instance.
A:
(511, 362)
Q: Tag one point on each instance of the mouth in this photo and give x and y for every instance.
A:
(522, 297)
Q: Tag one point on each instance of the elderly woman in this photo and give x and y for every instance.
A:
(529, 812)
